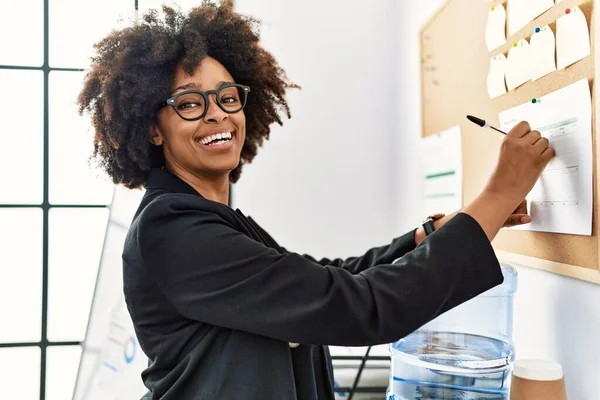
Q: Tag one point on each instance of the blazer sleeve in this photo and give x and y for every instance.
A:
(375, 256)
(212, 273)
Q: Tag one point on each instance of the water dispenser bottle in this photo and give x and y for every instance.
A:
(465, 353)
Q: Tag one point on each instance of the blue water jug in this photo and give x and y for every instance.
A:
(465, 353)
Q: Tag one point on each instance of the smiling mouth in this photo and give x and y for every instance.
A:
(217, 139)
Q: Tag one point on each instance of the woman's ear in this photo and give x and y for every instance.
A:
(155, 135)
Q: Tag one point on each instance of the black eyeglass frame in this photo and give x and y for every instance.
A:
(172, 101)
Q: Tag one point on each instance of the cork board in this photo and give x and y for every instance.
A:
(454, 67)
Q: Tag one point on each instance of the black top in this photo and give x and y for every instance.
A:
(215, 300)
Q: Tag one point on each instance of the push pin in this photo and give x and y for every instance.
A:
(568, 11)
(537, 30)
(515, 44)
(534, 100)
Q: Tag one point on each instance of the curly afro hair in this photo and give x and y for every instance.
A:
(133, 71)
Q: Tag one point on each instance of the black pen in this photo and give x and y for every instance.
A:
(483, 124)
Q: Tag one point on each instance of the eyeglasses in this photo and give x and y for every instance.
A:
(192, 105)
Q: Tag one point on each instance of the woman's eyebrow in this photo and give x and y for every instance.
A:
(193, 85)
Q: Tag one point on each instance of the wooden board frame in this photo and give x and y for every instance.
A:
(464, 21)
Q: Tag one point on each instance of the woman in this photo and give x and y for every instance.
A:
(221, 310)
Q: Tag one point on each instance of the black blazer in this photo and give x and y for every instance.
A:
(215, 300)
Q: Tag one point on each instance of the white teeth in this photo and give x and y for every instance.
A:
(216, 136)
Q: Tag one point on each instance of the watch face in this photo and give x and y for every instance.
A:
(435, 217)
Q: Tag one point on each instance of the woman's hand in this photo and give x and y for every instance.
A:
(523, 156)
(518, 217)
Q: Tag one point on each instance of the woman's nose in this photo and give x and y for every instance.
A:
(214, 113)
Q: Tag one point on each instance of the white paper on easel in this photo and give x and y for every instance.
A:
(443, 171)
(572, 38)
(561, 200)
(518, 66)
(495, 80)
(541, 53)
(495, 31)
(522, 12)
(121, 358)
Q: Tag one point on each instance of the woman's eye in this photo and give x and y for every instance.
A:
(229, 100)
(188, 105)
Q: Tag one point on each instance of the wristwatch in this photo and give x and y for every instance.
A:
(428, 223)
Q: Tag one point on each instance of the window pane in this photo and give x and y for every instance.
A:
(61, 371)
(20, 275)
(75, 26)
(72, 178)
(22, 33)
(76, 240)
(20, 372)
(22, 134)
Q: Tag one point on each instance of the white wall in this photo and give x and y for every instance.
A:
(323, 184)
(559, 318)
(409, 188)
(555, 317)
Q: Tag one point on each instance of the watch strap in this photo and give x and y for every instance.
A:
(428, 225)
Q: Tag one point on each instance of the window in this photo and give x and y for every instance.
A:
(20, 371)
(72, 268)
(53, 206)
(71, 144)
(22, 132)
(26, 22)
(21, 274)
